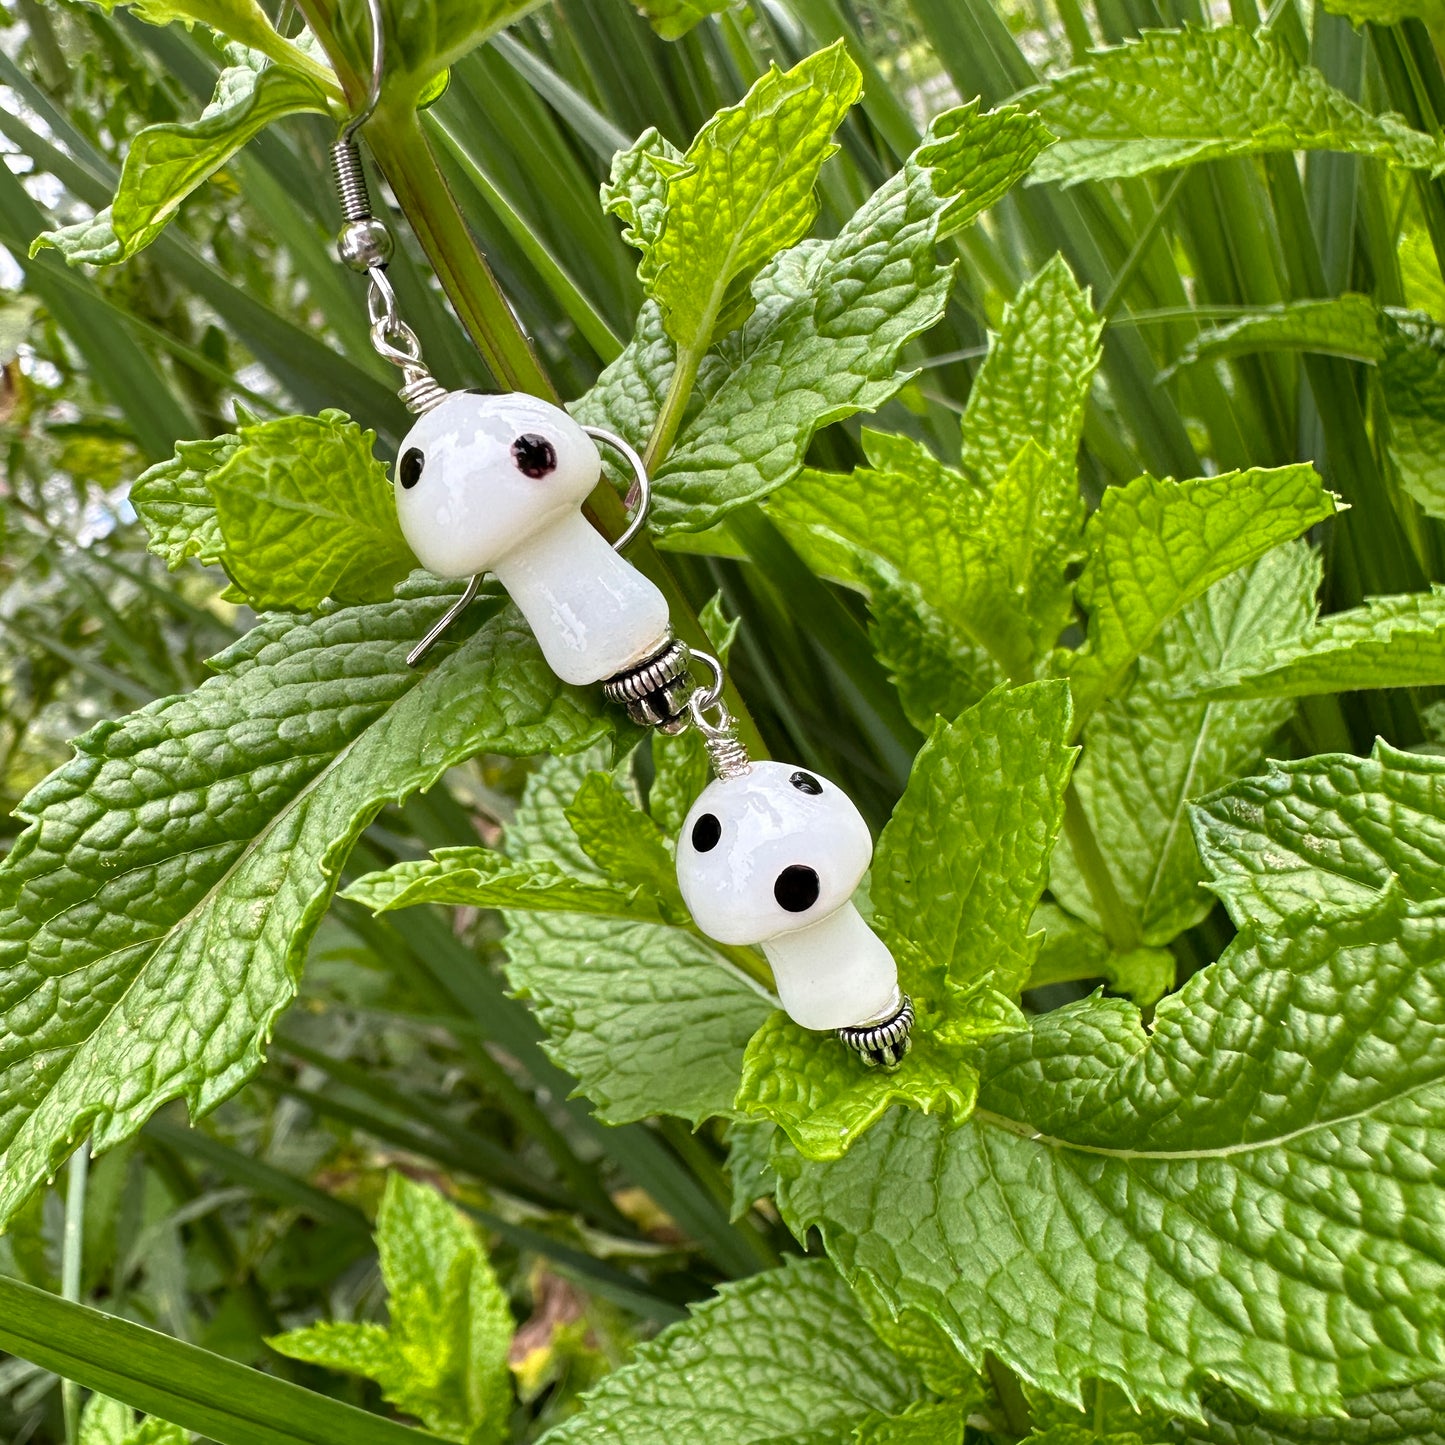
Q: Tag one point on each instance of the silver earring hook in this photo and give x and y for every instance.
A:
(378, 60)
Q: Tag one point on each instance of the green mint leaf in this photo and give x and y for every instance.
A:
(165, 163)
(777, 1356)
(1325, 831)
(1147, 754)
(817, 1092)
(622, 840)
(956, 877)
(642, 981)
(1389, 642)
(987, 549)
(1412, 372)
(1108, 1189)
(1389, 12)
(1408, 347)
(745, 194)
(1174, 97)
(108, 1422)
(306, 512)
(426, 37)
(979, 156)
(823, 343)
(451, 1326)
(443, 1359)
(926, 1423)
(672, 19)
(156, 911)
(1155, 546)
(244, 21)
(937, 670)
(351, 1349)
(750, 1149)
(636, 189)
(480, 878)
(1034, 382)
(175, 504)
(960, 866)
(630, 392)
(1414, 1415)
(1346, 326)
(1072, 949)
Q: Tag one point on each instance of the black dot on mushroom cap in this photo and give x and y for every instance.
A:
(535, 455)
(806, 783)
(408, 469)
(706, 832)
(796, 888)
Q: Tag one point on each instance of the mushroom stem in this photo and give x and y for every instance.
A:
(593, 615)
(835, 973)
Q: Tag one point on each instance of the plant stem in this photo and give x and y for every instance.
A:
(1011, 1398)
(402, 152)
(72, 1253)
(1118, 927)
(674, 404)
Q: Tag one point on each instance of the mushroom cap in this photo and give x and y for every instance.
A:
(464, 495)
(769, 853)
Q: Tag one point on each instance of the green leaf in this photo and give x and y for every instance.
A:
(306, 512)
(1412, 373)
(1389, 642)
(480, 878)
(1174, 97)
(202, 1392)
(1389, 12)
(956, 877)
(663, 986)
(1411, 1416)
(1168, 1209)
(985, 550)
(636, 189)
(165, 163)
(108, 1422)
(1326, 831)
(1155, 546)
(672, 19)
(158, 908)
(443, 1359)
(1072, 950)
(1034, 383)
(1347, 326)
(750, 1147)
(823, 344)
(962, 862)
(777, 1356)
(1147, 754)
(937, 670)
(623, 841)
(979, 156)
(818, 1093)
(926, 1423)
(744, 193)
(425, 38)
(175, 504)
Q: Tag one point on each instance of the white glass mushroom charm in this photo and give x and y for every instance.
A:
(495, 484)
(772, 856)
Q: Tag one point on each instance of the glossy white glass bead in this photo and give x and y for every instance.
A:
(495, 484)
(773, 858)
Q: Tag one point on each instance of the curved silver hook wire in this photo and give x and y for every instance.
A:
(378, 59)
(474, 585)
(639, 494)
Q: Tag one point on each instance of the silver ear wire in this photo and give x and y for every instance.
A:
(639, 494)
(365, 245)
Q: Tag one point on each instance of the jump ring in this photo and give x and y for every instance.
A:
(639, 495)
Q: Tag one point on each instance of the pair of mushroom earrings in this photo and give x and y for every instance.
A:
(769, 854)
